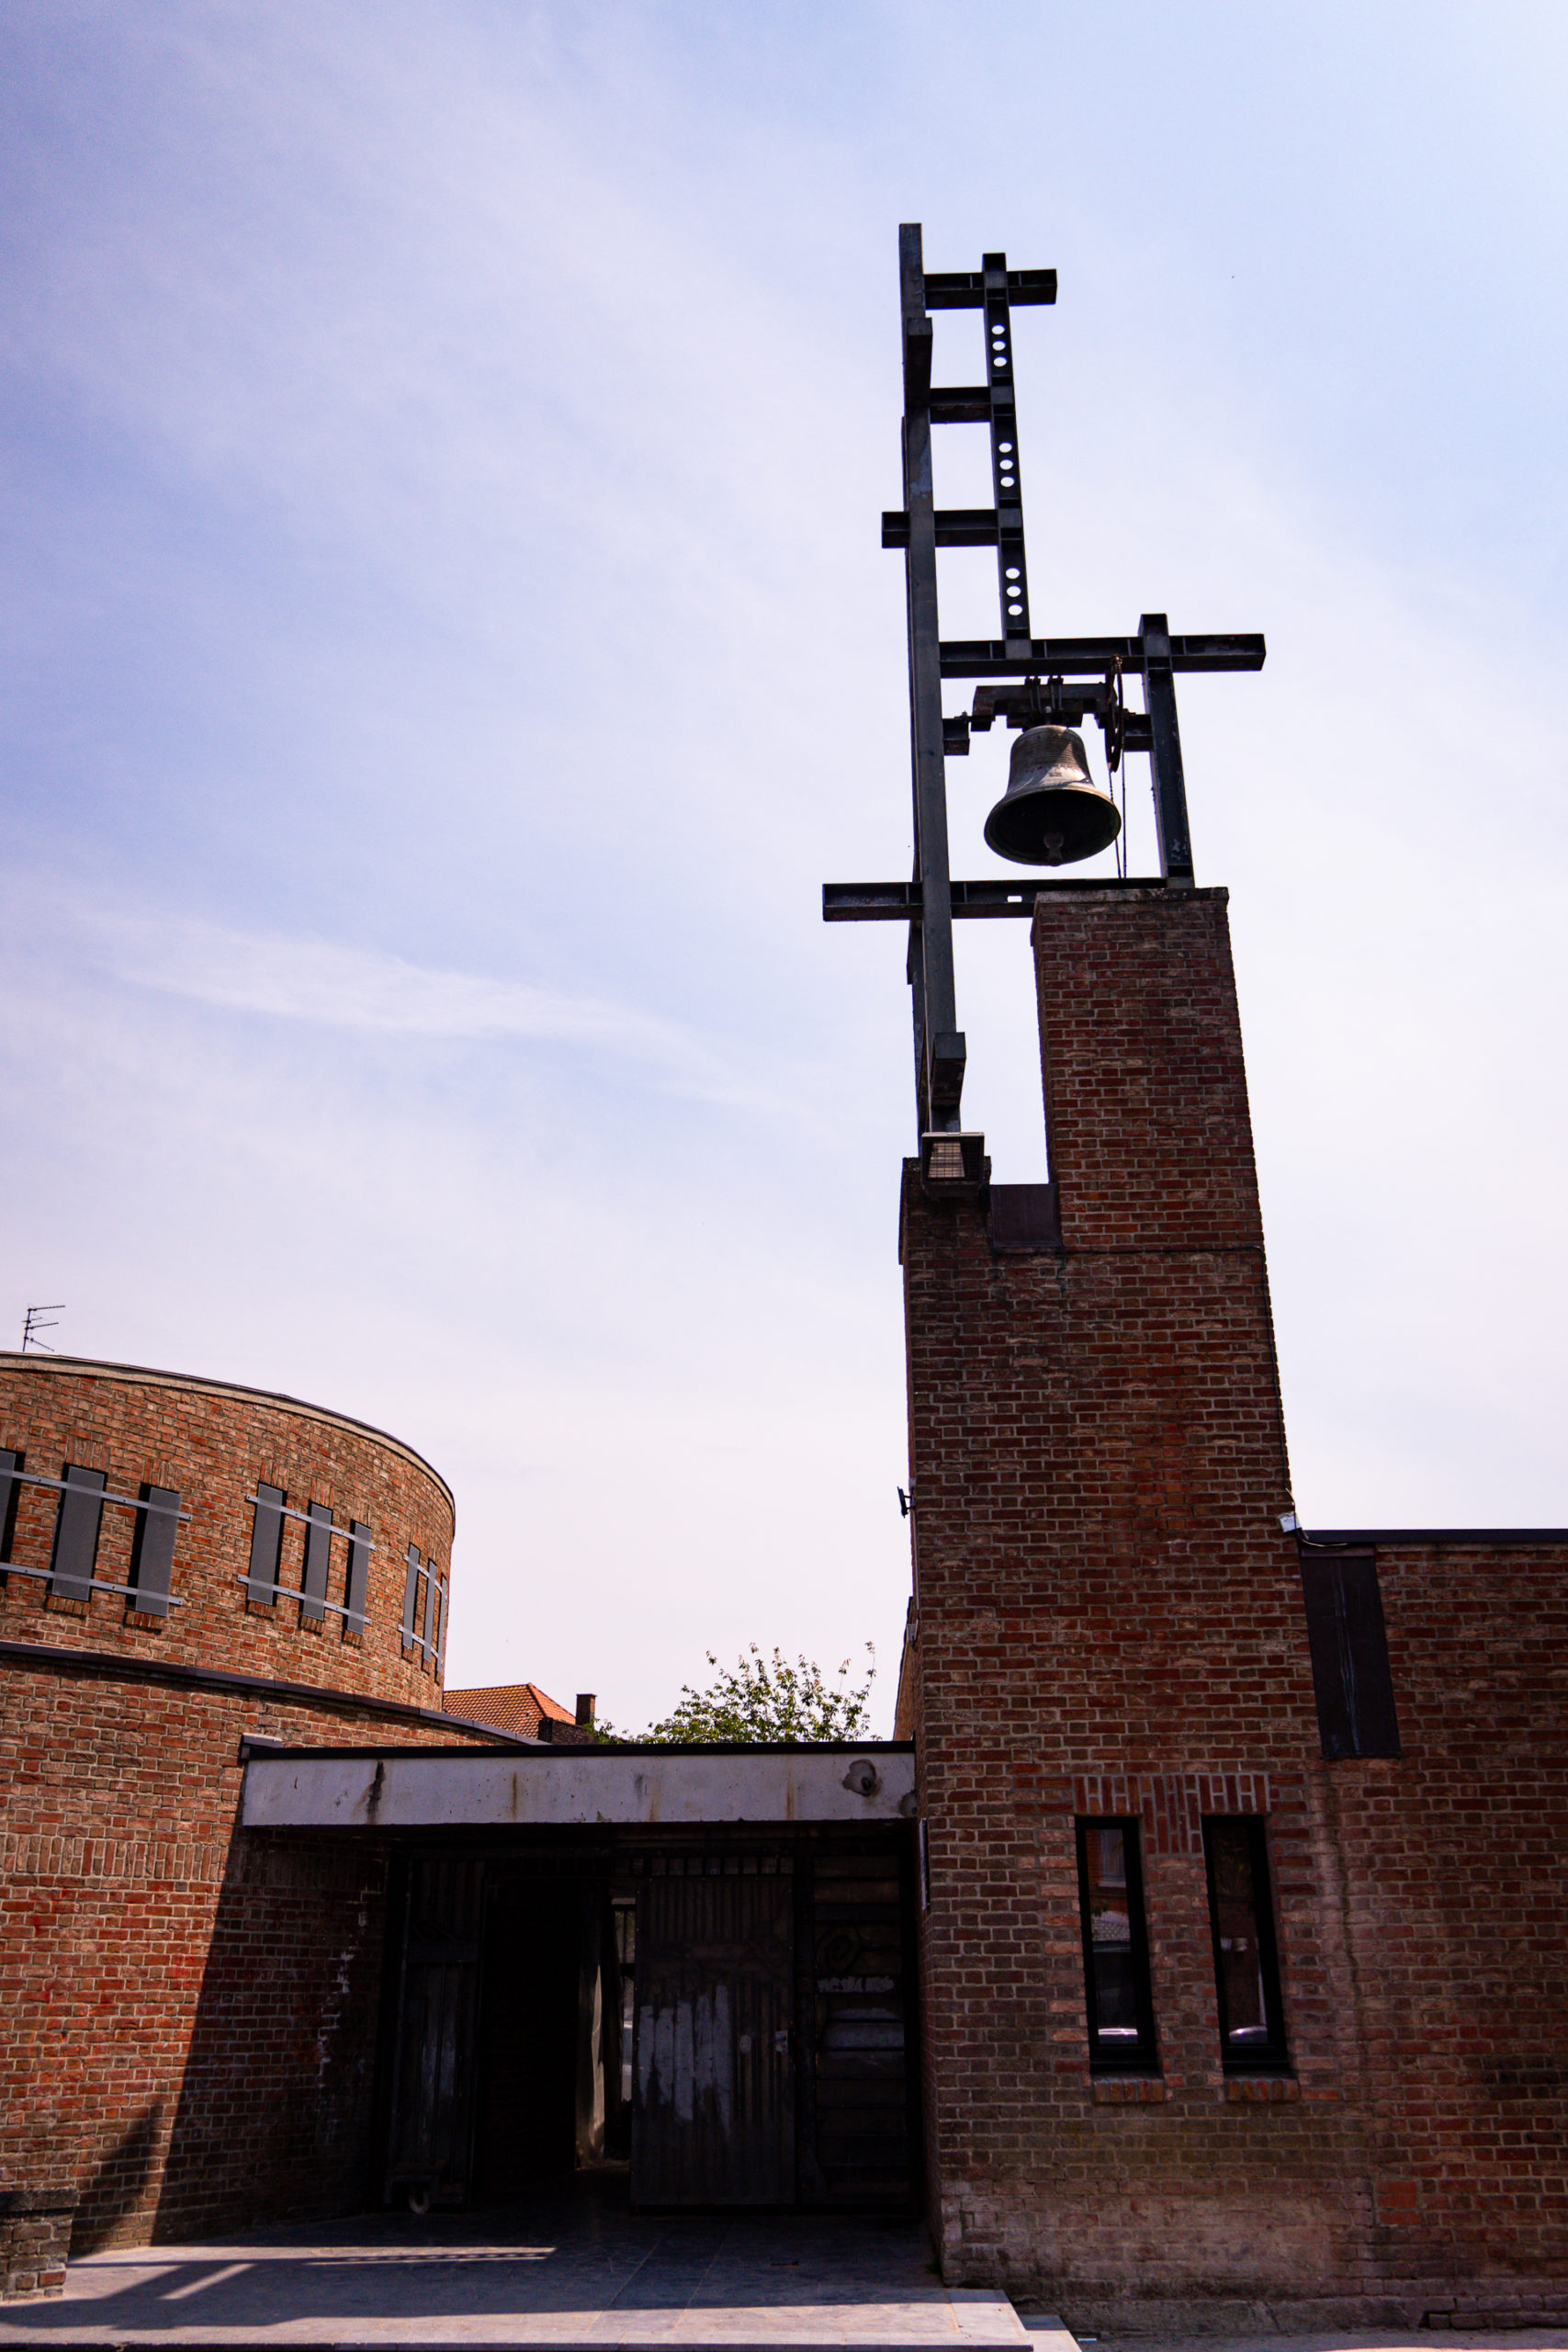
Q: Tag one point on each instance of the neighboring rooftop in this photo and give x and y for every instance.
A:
(522, 1709)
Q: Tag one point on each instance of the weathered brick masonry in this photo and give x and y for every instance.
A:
(189, 2013)
(1108, 1620)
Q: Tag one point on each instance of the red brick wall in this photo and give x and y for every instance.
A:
(187, 2027)
(213, 1442)
(1108, 1619)
(1453, 1868)
(188, 2021)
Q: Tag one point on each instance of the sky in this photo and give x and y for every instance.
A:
(448, 645)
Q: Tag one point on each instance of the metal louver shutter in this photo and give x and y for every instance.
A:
(10, 1489)
(266, 1544)
(152, 1568)
(76, 1532)
(430, 1609)
(318, 1559)
(358, 1573)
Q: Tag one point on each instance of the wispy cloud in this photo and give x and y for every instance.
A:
(319, 981)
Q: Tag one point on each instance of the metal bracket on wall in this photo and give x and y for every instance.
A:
(932, 898)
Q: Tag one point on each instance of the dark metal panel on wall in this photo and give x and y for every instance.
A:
(1349, 1655)
(714, 2102)
(430, 2151)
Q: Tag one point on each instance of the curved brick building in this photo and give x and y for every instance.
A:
(187, 1566)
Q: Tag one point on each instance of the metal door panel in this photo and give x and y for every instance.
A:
(433, 2097)
(714, 2074)
(862, 2089)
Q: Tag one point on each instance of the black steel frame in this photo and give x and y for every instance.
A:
(930, 901)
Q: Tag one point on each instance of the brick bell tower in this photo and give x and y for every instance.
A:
(1108, 1678)
(1137, 2043)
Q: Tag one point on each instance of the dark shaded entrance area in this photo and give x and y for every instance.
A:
(726, 2016)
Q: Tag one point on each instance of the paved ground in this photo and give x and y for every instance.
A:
(561, 2271)
(548, 2274)
(1435, 2339)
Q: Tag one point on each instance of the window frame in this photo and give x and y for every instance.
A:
(1141, 2055)
(1271, 2055)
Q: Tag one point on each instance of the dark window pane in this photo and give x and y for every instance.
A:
(1111, 1933)
(1349, 1655)
(1116, 1964)
(153, 1555)
(266, 1543)
(76, 1532)
(1246, 1967)
(411, 1596)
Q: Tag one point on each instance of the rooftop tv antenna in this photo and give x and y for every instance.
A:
(33, 1323)
(1052, 814)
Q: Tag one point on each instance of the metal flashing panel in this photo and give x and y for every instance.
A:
(572, 1787)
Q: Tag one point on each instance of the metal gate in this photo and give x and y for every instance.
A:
(713, 2118)
(433, 2080)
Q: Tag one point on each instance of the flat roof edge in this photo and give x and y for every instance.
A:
(263, 1752)
(1493, 1536)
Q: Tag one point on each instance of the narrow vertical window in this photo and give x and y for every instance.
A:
(358, 1575)
(266, 1544)
(1246, 1967)
(152, 1553)
(318, 1559)
(1115, 1949)
(76, 1532)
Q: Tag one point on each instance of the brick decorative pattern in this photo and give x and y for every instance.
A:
(213, 1443)
(1108, 1620)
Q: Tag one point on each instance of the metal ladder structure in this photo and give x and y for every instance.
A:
(1062, 679)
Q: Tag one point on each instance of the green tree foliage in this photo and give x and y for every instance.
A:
(763, 1700)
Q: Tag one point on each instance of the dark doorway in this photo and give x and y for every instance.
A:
(731, 2018)
(526, 2134)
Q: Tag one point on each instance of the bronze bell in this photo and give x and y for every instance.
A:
(1052, 812)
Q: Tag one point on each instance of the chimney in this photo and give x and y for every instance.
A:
(585, 1700)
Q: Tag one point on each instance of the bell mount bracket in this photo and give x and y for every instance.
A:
(931, 899)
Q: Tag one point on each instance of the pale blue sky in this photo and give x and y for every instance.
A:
(447, 645)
